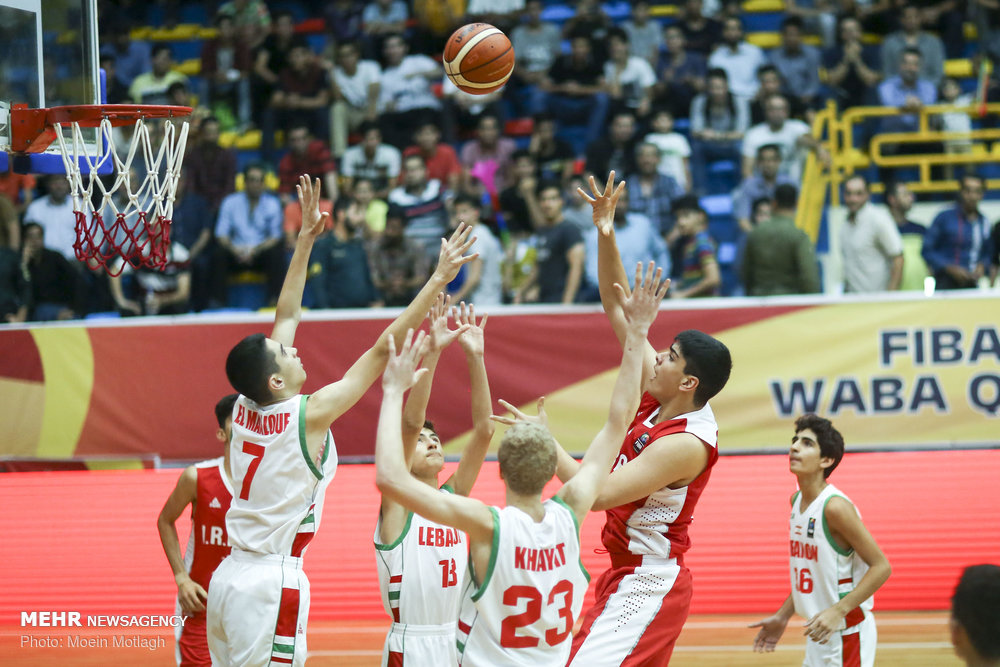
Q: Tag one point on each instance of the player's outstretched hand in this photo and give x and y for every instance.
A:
(191, 596)
(603, 203)
(472, 338)
(822, 625)
(401, 371)
(313, 222)
(771, 629)
(541, 418)
(641, 305)
(440, 335)
(453, 251)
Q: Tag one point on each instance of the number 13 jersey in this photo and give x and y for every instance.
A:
(530, 597)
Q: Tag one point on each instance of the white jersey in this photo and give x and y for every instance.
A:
(422, 574)
(821, 571)
(531, 595)
(277, 489)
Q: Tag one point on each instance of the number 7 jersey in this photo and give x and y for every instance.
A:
(530, 597)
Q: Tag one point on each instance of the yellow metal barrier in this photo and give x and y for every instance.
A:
(838, 130)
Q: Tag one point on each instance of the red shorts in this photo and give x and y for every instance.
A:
(640, 609)
(192, 645)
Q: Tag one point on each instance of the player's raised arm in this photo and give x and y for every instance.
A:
(609, 262)
(639, 308)
(334, 399)
(392, 477)
(289, 309)
(473, 343)
(189, 593)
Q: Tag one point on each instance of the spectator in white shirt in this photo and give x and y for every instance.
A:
(54, 213)
(793, 137)
(628, 79)
(870, 242)
(406, 100)
(738, 58)
(356, 85)
(372, 160)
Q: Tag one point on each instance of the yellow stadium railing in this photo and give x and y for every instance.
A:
(837, 130)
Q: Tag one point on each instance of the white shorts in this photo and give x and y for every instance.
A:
(410, 645)
(258, 606)
(855, 646)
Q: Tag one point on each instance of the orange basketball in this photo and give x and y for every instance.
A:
(478, 58)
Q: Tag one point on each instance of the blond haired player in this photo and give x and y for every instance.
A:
(422, 565)
(207, 488)
(283, 457)
(528, 582)
(835, 565)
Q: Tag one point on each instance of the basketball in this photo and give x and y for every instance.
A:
(478, 58)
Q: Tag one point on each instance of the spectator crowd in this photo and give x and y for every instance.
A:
(403, 156)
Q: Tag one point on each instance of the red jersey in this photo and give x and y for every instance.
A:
(657, 524)
(209, 542)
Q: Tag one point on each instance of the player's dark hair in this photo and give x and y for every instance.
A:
(975, 606)
(249, 366)
(429, 425)
(786, 196)
(708, 359)
(224, 409)
(527, 457)
(831, 443)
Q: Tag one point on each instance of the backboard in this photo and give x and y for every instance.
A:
(48, 57)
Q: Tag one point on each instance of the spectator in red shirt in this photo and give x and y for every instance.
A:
(302, 96)
(305, 155)
(442, 161)
(209, 168)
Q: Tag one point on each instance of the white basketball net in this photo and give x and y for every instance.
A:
(137, 228)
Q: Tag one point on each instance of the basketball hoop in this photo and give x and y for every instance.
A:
(139, 232)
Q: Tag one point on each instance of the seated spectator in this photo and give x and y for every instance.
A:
(481, 282)
(372, 159)
(305, 155)
(628, 79)
(302, 98)
(871, 247)
(487, 157)
(638, 239)
(440, 158)
(381, 19)
(248, 236)
(367, 211)
(957, 121)
(398, 263)
(161, 291)
(576, 209)
(344, 279)
(575, 86)
(15, 288)
(343, 22)
(701, 34)
(697, 273)
(151, 87)
(462, 111)
(406, 100)
(536, 45)
(518, 204)
(270, 59)
(792, 136)
(911, 36)
(210, 169)
(681, 74)
(590, 21)
(355, 86)
(192, 226)
(616, 151)
(719, 120)
(899, 201)
(957, 245)
(651, 191)
(675, 151)
(766, 177)
(251, 18)
(58, 290)
(819, 17)
(421, 201)
(851, 67)
(225, 73)
(644, 36)
(560, 251)
(797, 63)
(779, 258)
(771, 84)
(738, 58)
(553, 156)
(130, 57)
(55, 215)
(117, 92)
(909, 93)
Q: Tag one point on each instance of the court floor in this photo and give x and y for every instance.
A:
(906, 639)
